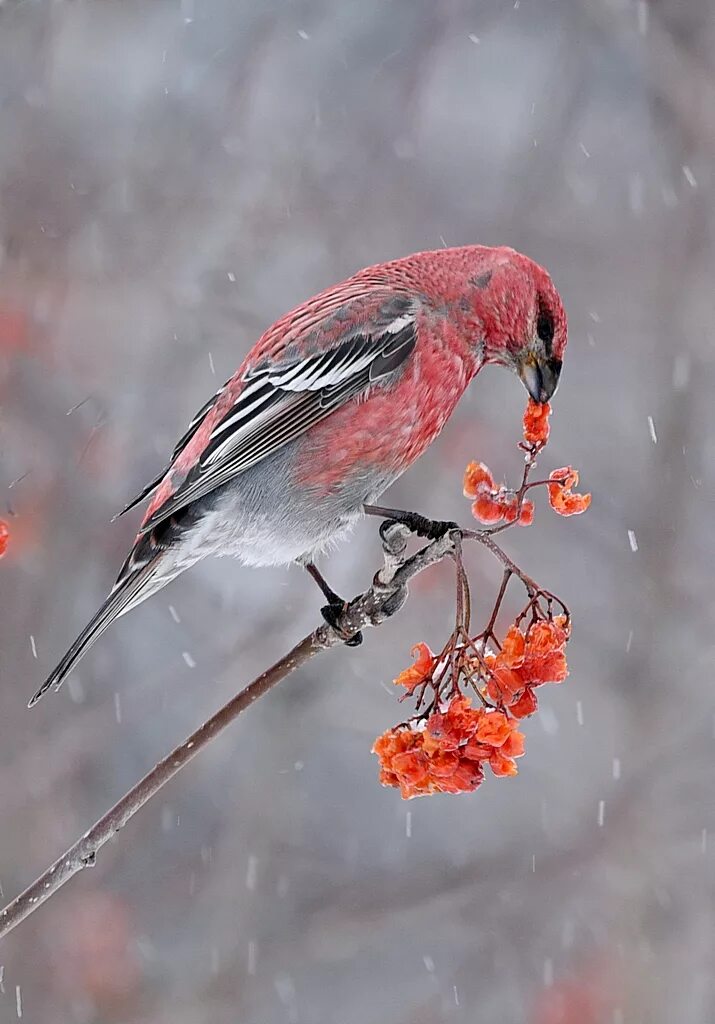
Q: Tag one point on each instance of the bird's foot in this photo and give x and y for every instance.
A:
(430, 529)
(332, 614)
(421, 526)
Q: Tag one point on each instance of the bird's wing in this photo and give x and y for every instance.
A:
(178, 449)
(279, 399)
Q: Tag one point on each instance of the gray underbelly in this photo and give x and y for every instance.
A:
(262, 518)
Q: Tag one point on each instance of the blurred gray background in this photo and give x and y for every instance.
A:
(173, 176)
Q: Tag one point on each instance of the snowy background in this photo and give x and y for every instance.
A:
(173, 176)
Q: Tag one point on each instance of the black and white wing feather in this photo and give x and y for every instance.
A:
(280, 401)
(178, 449)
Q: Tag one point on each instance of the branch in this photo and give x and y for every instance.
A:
(385, 597)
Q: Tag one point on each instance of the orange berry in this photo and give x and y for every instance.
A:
(560, 497)
(536, 422)
(526, 516)
(502, 766)
(513, 746)
(477, 477)
(478, 751)
(416, 674)
(493, 729)
(509, 510)
(506, 682)
(512, 652)
(544, 637)
(487, 510)
(525, 705)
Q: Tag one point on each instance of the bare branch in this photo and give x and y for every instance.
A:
(386, 596)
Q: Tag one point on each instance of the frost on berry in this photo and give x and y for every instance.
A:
(536, 422)
(477, 477)
(494, 504)
(561, 498)
(448, 752)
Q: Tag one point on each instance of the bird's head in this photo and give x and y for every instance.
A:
(522, 319)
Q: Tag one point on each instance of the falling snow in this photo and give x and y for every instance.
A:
(251, 872)
(681, 371)
(689, 176)
(75, 689)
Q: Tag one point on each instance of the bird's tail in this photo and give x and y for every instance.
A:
(130, 591)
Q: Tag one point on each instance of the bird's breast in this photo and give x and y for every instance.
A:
(383, 433)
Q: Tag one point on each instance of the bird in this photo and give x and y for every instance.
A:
(331, 405)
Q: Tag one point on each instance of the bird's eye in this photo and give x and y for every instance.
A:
(545, 325)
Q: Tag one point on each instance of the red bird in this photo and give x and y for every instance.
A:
(330, 406)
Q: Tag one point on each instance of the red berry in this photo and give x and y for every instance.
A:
(4, 537)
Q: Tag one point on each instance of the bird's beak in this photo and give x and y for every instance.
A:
(540, 377)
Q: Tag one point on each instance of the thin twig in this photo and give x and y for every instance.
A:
(83, 853)
(489, 630)
(484, 537)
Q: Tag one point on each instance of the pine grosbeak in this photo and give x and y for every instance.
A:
(330, 406)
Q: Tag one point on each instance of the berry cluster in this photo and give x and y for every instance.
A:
(446, 750)
(525, 661)
(447, 753)
(498, 505)
(445, 747)
(492, 504)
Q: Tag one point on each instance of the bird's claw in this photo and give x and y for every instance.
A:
(421, 526)
(332, 614)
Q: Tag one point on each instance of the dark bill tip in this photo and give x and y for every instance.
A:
(541, 378)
